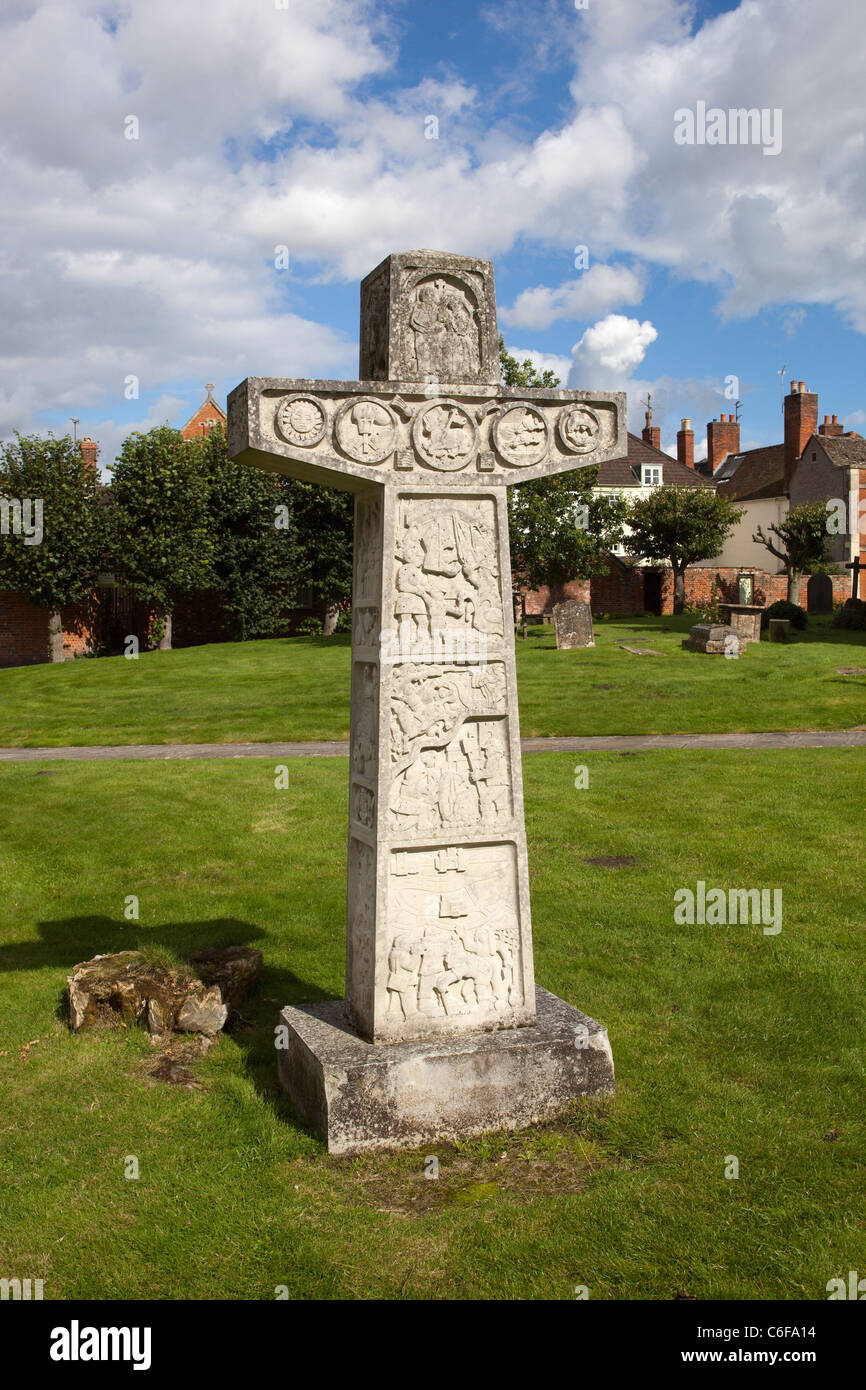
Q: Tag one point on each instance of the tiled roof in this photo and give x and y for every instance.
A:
(625, 471)
(755, 473)
(845, 450)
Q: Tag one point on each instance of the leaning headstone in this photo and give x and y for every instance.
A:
(819, 594)
(572, 621)
(443, 1032)
(715, 638)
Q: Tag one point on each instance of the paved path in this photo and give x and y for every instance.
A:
(615, 743)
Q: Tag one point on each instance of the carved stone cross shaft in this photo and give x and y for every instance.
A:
(438, 923)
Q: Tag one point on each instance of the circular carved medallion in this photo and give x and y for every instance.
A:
(444, 435)
(366, 430)
(301, 420)
(579, 429)
(521, 435)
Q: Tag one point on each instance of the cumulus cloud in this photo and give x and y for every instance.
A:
(610, 350)
(260, 127)
(600, 289)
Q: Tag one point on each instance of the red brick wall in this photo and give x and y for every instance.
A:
(621, 591)
(542, 600)
(24, 631)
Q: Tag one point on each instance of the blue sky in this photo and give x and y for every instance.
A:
(261, 125)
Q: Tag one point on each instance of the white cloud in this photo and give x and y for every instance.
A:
(600, 289)
(258, 128)
(610, 350)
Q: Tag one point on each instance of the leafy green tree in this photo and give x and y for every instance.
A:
(680, 525)
(323, 518)
(516, 373)
(52, 527)
(255, 560)
(161, 520)
(802, 541)
(558, 529)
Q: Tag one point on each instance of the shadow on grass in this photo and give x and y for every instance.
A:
(69, 941)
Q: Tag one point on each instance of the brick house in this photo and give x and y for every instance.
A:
(814, 463)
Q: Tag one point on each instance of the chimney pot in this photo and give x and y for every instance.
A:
(793, 388)
(835, 420)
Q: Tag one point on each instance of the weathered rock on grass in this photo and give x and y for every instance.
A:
(127, 987)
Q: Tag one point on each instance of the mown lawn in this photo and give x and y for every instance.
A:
(727, 1041)
(298, 688)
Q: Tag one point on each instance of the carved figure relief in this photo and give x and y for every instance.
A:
(429, 703)
(365, 718)
(464, 781)
(366, 430)
(363, 806)
(521, 435)
(368, 526)
(447, 573)
(444, 435)
(365, 627)
(456, 952)
(301, 421)
(443, 333)
(579, 429)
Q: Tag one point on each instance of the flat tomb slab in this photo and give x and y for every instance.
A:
(362, 1096)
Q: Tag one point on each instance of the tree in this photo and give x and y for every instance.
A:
(680, 525)
(558, 529)
(803, 538)
(161, 520)
(53, 527)
(254, 561)
(323, 518)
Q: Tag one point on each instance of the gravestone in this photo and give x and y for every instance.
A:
(819, 594)
(443, 1032)
(573, 623)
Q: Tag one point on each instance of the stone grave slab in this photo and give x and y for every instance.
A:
(717, 639)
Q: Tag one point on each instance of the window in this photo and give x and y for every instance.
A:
(651, 475)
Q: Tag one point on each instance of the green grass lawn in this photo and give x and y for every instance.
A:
(726, 1041)
(298, 688)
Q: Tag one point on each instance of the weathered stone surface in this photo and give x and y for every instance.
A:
(130, 988)
(744, 618)
(438, 933)
(235, 969)
(361, 1097)
(715, 638)
(573, 623)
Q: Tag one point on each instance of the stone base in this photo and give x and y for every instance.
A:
(361, 1096)
(716, 638)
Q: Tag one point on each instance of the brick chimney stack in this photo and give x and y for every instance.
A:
(801, 422)
(723, 437)
(651, 435)
(89, 450)
(831, 426)
(686, 444)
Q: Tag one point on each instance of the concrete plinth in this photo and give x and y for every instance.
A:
(363, 1096)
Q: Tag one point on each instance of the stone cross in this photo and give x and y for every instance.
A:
(854, 566)
(438, 936)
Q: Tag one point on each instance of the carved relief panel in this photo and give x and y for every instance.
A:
(453, 939)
